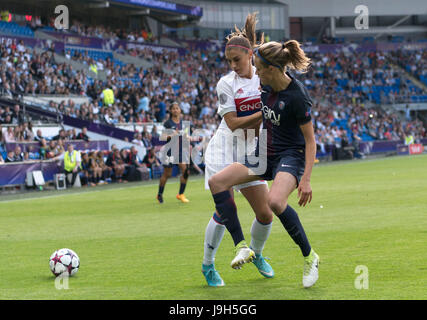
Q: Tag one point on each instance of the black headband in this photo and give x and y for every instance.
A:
(256, 51)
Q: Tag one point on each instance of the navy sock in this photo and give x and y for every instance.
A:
(293, 226)
(182, 188)
(161, 188)
(217, 218)
(226, 207)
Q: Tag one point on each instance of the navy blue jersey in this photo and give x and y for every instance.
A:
(170, 124)
(283, 112)
(183, 138)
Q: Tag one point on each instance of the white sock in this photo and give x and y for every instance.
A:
(213, 236)
(259, 235)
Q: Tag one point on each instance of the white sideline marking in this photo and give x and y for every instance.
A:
(80, 193)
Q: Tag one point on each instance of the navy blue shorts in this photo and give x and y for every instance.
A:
(182, 158)
(291, 161)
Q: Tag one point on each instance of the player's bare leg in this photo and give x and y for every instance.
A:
(220, 184)
(185, 172)
(167, 173)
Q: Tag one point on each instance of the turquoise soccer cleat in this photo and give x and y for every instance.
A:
(263, 266)
(212, 276)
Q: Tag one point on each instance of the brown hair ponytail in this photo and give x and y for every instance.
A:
(297, 58)
(288, 54)
(245, 38)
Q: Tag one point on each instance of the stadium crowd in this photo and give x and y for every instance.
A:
(414, 62)
(343, 87)
(105, 32)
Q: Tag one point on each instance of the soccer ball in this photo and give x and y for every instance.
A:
(64, 261)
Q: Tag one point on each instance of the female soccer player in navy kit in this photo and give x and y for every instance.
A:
(174, 123)
(290, 148)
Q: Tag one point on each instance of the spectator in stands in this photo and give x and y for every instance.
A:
(108, 116)
(409, 138)
(10, 135)
(345, 148)
(71, 134)
(20, 47)
(10, 157)
(17, 115)
(72, 163)
(146, 140)
(116, 163)
(27, 131)
(160, 109)
(206, 111)
(83, 135)
(106, 171)
(44, 149)
(143, 103)
(18, 155)
(7, 112)
(138, 139)
(51, 149)
(18, 133)
(155, 137)
(7, 119)
(59, 147)
(86, 173)
(124, 156)
(26, 156)
(96, 169)
(132, 163)
(356, 144)
(150, 159)
(39, 136)
(61, 135)
(107, 96)
(186, 105)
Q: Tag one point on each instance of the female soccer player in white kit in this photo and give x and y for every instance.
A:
(239, 107)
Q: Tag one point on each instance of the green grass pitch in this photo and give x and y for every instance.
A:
(370, 213)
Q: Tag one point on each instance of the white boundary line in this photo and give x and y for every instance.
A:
(67, 194)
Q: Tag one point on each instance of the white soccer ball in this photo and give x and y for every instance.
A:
(64, 261)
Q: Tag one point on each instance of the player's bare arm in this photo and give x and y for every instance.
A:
(234, 122)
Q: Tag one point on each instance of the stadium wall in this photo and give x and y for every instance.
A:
(333, 8)
(220, 17)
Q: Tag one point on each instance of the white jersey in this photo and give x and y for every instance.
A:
(236, 94)
(243, 96)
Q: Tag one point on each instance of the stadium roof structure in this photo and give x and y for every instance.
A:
(167, 12)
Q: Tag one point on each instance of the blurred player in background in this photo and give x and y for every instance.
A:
(239, 107)
(290, 148)
(175, 123)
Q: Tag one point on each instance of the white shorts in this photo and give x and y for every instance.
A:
(217, 157)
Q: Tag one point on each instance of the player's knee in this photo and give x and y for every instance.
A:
(214, 183)
(276, 204)
(186, 174)
(265, 216)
